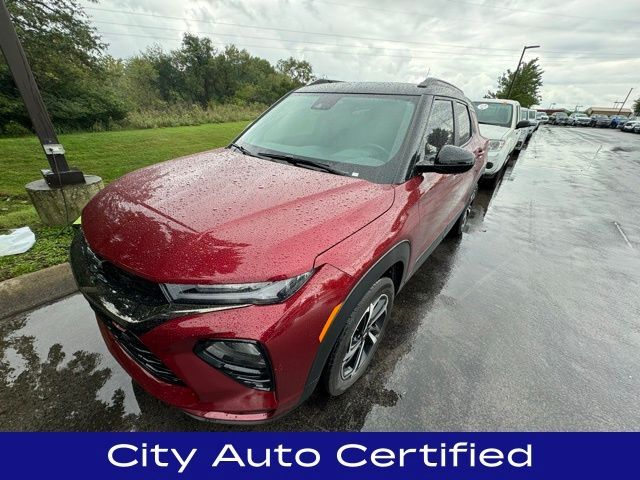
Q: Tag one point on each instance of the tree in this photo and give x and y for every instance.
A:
(300, 71)
(526, 87)
(76, 78)
(195, 60)
(636, 107)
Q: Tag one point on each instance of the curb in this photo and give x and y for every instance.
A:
(31, 290)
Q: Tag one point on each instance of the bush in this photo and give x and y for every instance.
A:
(14, 129)
(182, 115)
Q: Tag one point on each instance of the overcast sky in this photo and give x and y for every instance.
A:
(589, 48)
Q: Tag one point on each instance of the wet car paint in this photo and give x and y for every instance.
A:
(530, 322)
(207, 224)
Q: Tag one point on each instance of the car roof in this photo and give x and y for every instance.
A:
(497, 100)
(431, 86)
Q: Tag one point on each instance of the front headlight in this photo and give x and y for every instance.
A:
(236, 294)
(496, 144)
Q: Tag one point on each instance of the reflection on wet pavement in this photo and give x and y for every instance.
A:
(530, 322)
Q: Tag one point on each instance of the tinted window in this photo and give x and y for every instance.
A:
(464, 123)
(440, 128)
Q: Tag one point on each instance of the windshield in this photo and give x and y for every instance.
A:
(561, 114)
(492, 113)
(580, 115)
(357, 134)
(532, 114)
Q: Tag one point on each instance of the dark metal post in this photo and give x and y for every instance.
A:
(515, 74)
(60, 173)
(625, 101)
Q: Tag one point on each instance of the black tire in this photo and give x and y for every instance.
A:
(339, 374)
(458, 228)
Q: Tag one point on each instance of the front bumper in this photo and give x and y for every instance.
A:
(495, 161)
(157, 349)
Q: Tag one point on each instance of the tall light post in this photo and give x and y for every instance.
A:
(515, 74)
(577, 106)
(551, 105)
(625, 100)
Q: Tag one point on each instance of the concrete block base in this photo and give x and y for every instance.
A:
(61, 206)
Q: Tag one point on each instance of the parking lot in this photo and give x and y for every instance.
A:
(530, 322)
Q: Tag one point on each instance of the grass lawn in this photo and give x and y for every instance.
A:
(107, 154)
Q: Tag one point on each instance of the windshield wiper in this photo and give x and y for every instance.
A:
(242, 150)
(303, 162)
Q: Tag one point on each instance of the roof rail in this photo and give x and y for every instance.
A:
(320, 81)
(436, 82)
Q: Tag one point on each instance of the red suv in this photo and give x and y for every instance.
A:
(231, 282)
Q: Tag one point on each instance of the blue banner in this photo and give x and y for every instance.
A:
(320, 455)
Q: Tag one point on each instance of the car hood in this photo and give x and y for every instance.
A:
(493, 132)
(221, 216)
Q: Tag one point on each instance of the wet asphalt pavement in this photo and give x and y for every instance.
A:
(530, 322)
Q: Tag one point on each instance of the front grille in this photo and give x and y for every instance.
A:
(131, 344)
(132, 302)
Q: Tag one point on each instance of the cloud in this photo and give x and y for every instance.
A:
(588, 53)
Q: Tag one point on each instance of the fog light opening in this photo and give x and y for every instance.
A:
(245, 361)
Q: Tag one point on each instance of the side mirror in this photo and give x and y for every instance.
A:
(450, 159)
(523, 124)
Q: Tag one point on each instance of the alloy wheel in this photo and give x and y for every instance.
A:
(364, 337)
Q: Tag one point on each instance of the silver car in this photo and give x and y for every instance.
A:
(579, 119)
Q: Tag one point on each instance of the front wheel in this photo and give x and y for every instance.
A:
(360, 338)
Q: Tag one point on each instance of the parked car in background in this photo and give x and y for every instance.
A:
(561, 118)
(499, 122)
(598, 118)
(578, 119)
(523, 133)
(229, 283)
(636, 129)
(616, 119)
(630, 125)
(533, 121)
(542, 117)
(622, 122)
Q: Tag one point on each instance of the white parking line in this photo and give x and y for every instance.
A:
(626, 239)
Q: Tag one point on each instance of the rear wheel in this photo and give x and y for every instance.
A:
(360, 338)
(461, 223)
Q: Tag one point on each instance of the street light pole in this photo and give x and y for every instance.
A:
(60, 173)
(515, 74)
(625, 100)
(551, 105)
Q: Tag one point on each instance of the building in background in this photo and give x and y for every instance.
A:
(607, 111)
(549, 111)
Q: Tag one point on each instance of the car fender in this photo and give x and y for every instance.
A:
(399, 252)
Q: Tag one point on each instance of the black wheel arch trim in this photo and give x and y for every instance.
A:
(400, 252)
